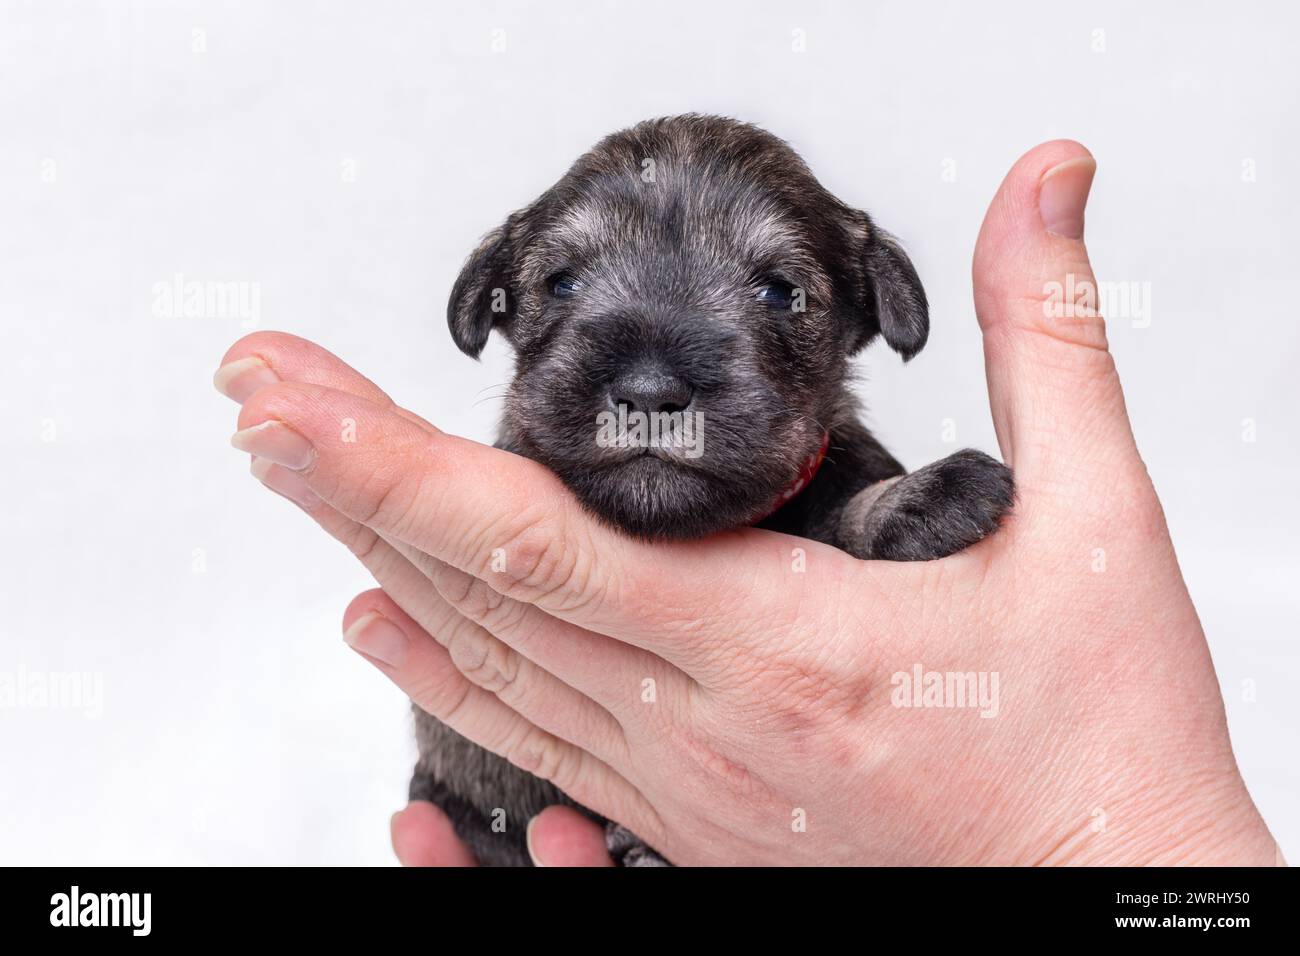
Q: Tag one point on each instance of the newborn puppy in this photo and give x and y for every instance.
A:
(683, 305)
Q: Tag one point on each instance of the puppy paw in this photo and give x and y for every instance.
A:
(931, 513)
(626, 848)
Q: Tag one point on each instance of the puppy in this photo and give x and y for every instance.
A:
(690, 271)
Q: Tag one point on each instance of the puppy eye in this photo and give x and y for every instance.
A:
(776, 293)
(564, 285)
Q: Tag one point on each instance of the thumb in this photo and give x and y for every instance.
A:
(424, 836)
(561, 836)
(1054, 392)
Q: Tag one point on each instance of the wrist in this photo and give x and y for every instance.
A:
(1219, 826)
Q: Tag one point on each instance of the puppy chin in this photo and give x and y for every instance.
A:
(660, 500)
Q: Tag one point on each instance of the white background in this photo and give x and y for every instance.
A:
(235, 725)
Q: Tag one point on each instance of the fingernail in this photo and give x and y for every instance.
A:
(528, 841)
(375, 636)
(240, 379)
(285, 482)
(1063, 195)
(277, 441)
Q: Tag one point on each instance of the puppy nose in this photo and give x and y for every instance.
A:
(650, 389)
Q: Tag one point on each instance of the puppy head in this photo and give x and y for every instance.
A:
(689, 271)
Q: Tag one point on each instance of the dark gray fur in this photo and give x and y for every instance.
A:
(670, 270)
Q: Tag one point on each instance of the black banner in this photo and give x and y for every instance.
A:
(304, 905)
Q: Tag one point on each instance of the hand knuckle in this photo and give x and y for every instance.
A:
(711, 771)
(362, 542)
(543, 756)
(484, 661)
(388, 502)
(542, 565)
(478, 601)
(443, 694)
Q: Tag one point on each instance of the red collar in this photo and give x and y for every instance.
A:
(806, 472)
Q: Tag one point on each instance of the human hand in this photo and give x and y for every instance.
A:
(558, 836)
(772, 734)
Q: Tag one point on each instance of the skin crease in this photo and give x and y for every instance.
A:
(773, 687)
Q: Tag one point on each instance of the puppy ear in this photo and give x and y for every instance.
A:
(895, 297)
(482, 295)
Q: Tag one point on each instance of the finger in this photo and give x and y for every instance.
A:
(269, 357)
(480, 627)
(1054, 392)
(532, 693)
(510, 522)
(544, 695)
(487, 663)
(611, 673)
(266, 358)
(561, 836)
(423, 835)
(408, 656)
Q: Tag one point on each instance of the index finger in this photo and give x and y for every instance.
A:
(511, 523)
(267, 358)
